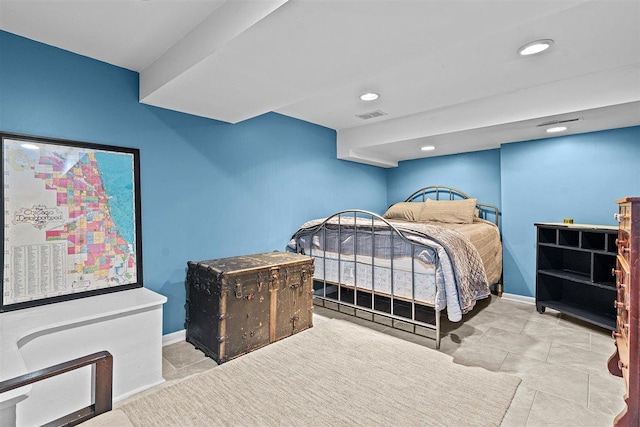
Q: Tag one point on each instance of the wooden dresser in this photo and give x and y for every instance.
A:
(625, 361)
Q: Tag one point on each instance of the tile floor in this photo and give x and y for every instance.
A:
(561, 361)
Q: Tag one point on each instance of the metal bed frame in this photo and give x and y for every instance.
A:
(348, 219)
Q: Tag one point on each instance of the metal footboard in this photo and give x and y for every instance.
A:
(386, 301)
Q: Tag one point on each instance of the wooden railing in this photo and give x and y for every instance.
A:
(102, 386)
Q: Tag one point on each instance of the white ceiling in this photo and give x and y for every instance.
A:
(447, 71)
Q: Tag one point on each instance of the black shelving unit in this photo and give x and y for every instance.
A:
(573, 271)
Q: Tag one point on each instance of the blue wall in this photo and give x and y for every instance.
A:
(575, 176)
(209, 189)
(477, 174)
(212, 189)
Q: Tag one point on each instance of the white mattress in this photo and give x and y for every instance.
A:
(358, 273)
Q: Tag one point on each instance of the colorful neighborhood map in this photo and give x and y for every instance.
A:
(69, 220)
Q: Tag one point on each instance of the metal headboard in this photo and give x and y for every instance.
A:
(442, 192)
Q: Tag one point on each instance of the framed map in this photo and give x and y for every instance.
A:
(71, 224)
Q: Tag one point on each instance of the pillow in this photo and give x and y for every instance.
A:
(405, 211)
(448, 211)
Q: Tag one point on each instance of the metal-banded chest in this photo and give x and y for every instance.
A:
(625, 361)
(236, 305)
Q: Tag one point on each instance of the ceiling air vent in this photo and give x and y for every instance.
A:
(558, 122)
(371, 115)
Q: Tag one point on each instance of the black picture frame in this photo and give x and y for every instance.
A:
(71, 226)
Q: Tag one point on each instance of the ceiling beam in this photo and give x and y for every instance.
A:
(229, 20)
(591, 91)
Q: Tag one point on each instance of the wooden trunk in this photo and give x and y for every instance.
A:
(236, 305)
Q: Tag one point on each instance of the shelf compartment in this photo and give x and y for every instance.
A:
(591, 303)
(579, 278)
(558, 258)
(547, 235)
(575, 310)
(593, 240)
(568, 274)
(602, 266)
(612, 247)
(569, 238)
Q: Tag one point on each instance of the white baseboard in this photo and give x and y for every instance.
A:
(174, 337)
(519, 298)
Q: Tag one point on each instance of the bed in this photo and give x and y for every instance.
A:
(439, 250)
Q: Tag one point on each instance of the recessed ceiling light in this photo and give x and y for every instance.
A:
(535, 47)
(556, 129)
(369, 96)
(428, 148)
(29, 146)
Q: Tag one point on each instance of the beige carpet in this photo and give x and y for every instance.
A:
(335, 374)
